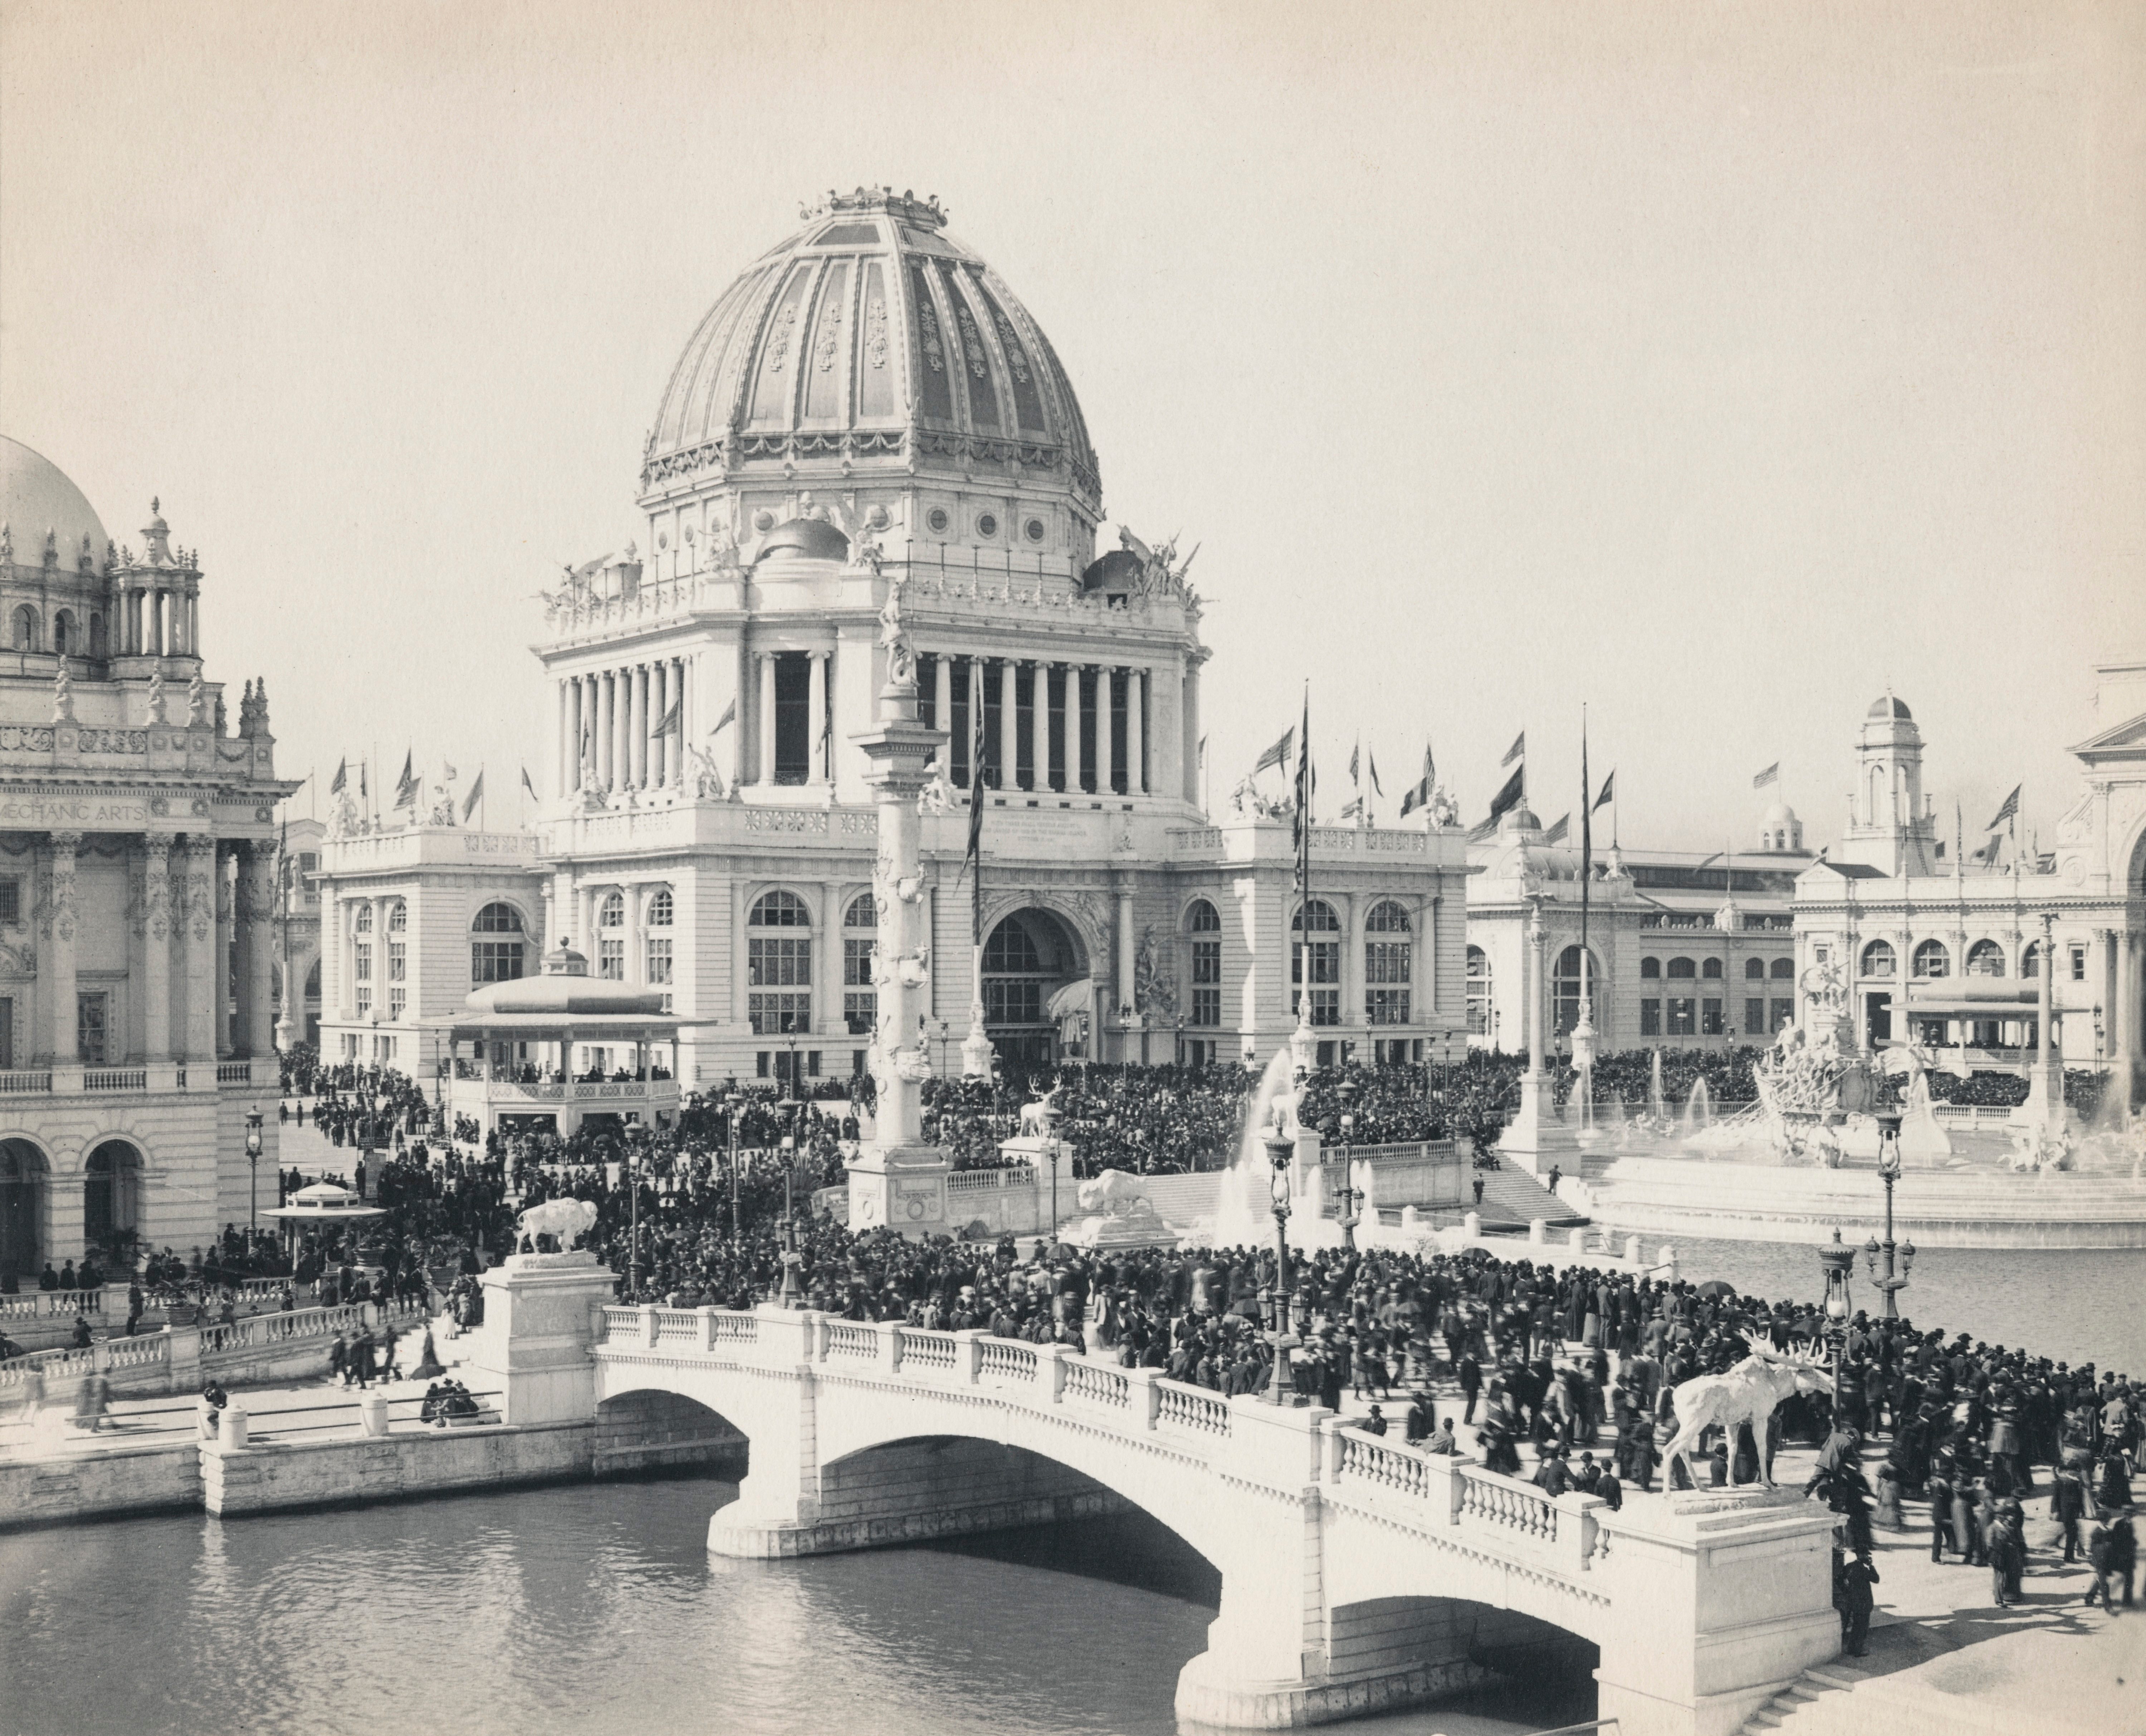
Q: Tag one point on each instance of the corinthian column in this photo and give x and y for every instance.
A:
(156, 948)
(59, 978)
(200, 929)
(1105, 678)
(256, 910)
(226, 928)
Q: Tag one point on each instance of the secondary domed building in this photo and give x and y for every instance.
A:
(138, 851)
(868, 424)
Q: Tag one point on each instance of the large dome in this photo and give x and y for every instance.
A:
(871, 339)
(35, 497)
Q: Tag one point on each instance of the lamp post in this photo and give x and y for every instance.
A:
(1888, 1170)
(1349, 1195)
(733, 1106)
(946, 1034)
(633, 1215)
(1839, 1263)
(1281, 1150)
(252, 1168)
(791, 1296)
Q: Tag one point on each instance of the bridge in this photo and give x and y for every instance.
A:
(1358, 1574)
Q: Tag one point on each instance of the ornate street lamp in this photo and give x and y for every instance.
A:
(252, 1168)
(1280, 1151)
(1349, 1195)
(791, 1296)
(1888, 1170)
(1839, 1265)
(733, 1106)
(633, 1211)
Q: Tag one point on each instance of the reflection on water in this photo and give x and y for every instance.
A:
(2069, 1305)
(597, 1608)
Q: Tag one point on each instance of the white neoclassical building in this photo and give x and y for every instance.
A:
(1951, 955)
(137, 848)
(869, 423)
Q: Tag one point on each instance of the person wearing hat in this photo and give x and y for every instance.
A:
(2068, 1501)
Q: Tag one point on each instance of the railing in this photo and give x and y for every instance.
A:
(1003, 1359)
(1096, 1385)
(732, 1328)
(622, 1323)
(1366, 1458)
(25, 1082)
(975, 1181)
(1491, 1499)
(116, 1079)
(48, 1305)
(847, 1338)
(677, 1326)
(928, 1349)
(1204, 840)
(509, 1090)
(1191, 1408)
(234, 1072)
(1406, 1151)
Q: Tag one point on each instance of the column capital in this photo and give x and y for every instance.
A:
(65, 843)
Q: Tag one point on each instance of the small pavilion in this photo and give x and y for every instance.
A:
(323, 1206)
(551, 1051)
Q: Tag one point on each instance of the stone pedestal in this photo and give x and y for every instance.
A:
(900, 1186)
(542, 1314)
(1537, 1139)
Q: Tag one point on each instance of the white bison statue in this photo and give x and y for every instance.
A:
(564, 1218)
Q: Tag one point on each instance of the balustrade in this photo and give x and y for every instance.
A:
(1192, 1407)
(45, 1304)
(1002, 1358)
(926, 1348)
(115, 1079)
(847, 1338)
(1096, 1386)
(1489, 1498)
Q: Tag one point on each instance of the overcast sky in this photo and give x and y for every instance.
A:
(1714, 364)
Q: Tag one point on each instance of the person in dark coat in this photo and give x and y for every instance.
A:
(1469, 1374)
(2068, 1505)
(1852, 1596)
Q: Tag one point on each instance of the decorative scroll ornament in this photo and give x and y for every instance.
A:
(876, 332)
(972, 343)
(1016, 359)
(778, 343)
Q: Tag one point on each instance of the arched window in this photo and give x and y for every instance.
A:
(64, 643)
(859, 935)
(1986, 958)
(611, 937)
(1711, 970)
(398, 918)
(779, 966)
(1479, 992)
(1878, 959)
(2030, 960)
(656, 947)
(1683, 970)
(1754, 969)
(1650, 969)
(1565, 988)
(1932, 959)
(362, 922)
(26, 628)
(1316, 950)
(1784, 970)
(1389, 965)
(111, 1191)
(1204, 925)
(495, 945)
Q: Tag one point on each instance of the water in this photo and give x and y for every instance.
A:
(595, 1608)
(2070, 1304)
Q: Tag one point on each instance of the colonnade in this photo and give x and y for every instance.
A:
(198, 902)
(1109, 688)
(156, 621)
(624, 728)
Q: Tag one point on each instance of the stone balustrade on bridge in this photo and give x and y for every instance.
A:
(1358, 1574)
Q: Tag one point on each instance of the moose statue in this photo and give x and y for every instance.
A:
(1750, 1393)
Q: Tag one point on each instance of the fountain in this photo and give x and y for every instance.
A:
(1244, 1200)
(1698, 1110)
(1657, 1105)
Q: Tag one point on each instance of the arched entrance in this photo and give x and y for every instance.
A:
(111, 1193)
(21, 1207)
(1028, 958)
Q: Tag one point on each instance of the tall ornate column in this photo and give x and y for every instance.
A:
(1536, 1138)
(1041, 693)
(59, 974)
(1073, 785)
(257, 912)
(1009, 724)
(815, 720)
(200, 932)
(1135, 732)
(1193, 660)
(1105, 680)
(638, 682)
(156, 948)
(942, 699)
(659, 710)
(897, 1179)
(764, 691)
(226, 862)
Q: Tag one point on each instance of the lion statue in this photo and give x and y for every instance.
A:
(1113, 1193)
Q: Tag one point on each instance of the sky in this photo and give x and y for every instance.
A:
(1711, 365)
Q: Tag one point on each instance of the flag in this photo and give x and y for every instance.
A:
(669, 720)
(729, 716)
(2010, 810)
(526, 783)
(447, 772)
(1356, 763)
(476, 791)
(1371, 760)
(1420, 796)
(1555, 835)
(1477, 834)
(1517, 750)
(1277, 755)
(1771, 774)
(1353, 809)
(342, 777)
(1305, 783)
(1203, 750)
(1509, 797)
(363, 792)
(406, 791)
(1609, 792)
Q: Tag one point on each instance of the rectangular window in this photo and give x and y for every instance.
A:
(364, 998)
(857, 961)
(1207, 980)
(1651, 1018)
(995, 697)
(1710, 1025)
(778, 1013)
(1011, 1000)
(760, 1066)
(611, 959)
(11, 900)
(1325, 1005)
(860, 1011)
(495, 962)
(1386, 1006)
(658, 959)
(779, 961)
(398, 961)
(2078, 963)
(6, 1035)
(1755, 1018)
(1388, 962)
(90, 1009)
(1683, 1015)
(1206, 1007)
(362, 971)
(397, 999)
(793, 722)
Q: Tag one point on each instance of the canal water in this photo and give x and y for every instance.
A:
(596, 1608)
